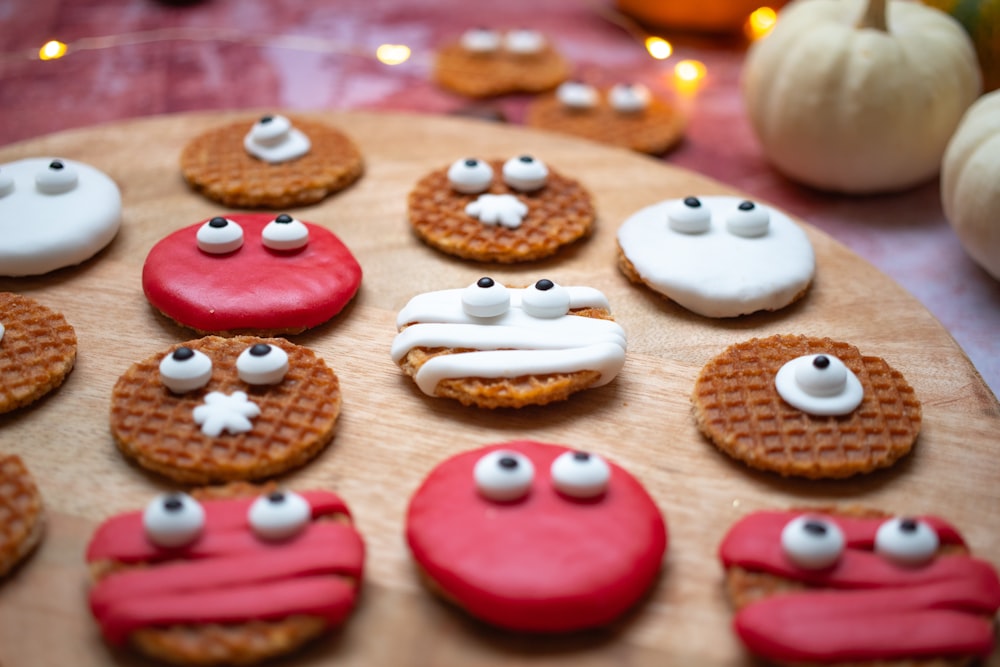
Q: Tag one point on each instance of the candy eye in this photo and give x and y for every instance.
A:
(285, 233)
(812, 542)
(907, 541)
(279, 515)
(262, 364)
(480, 40)
(6, 183)
(270, 129)
(580, 474)
(524, 42)
(185, 370)
(545, 299)
(629, 97)
(56, 178)
(577, 95)
(819, 384)
(485, 298)
(173, 520)
(504, 475)
(219, 236)
(525, 173)
(470, 176)
(689, 216)
(748, 220)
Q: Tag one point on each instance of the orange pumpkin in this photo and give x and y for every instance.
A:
(701, 16)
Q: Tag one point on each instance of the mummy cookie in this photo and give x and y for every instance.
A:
(54, 213)
(232, 575)
(717, 256)
(859, 587)
(251, 273)
(492, 346)
(536, 537)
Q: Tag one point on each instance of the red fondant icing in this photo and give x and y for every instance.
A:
(227, 574)
(253, 287)
(864, 607)
(545, 563)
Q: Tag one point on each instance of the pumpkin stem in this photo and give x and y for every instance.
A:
(874, 16)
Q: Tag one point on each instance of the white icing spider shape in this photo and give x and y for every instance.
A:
(221, 412)
(504, 210)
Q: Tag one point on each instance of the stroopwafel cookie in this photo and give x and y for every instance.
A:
(37, 350)
(232, 576)
(221, 409)
(219, 164)
(22, 517)
(473, 210)
(737, 405)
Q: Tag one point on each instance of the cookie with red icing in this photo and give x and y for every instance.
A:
(536, 537)
(233, 575)
(256, 273)
(835, 586)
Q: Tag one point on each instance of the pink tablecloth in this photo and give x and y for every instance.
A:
(228, 58)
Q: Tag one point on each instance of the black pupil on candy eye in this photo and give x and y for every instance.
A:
(276, 497)
(692, 202)
(908, 525)
(544, 285)
(485, 282)
(527, 159)
(507, 462)
(821, 362)
(260, 350)
(183, 353)
(266, 119)
(814, 528)
(217, 222)
(55, 164)
(284, 218)
(172, 504)
(471, 162)
(581, 456)
(746, 206)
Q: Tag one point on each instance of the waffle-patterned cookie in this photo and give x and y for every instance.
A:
(157, 427)
(22, 518)
(498, 71)
(250, 586)
(37, 350)
(217, 165)
(559, 213)
(737, 406)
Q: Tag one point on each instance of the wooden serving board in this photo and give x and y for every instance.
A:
(390, 435)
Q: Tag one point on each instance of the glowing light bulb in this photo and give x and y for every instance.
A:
(659, 48)
(392, 54)
(760, 22)
(690, 71)
(52, 50)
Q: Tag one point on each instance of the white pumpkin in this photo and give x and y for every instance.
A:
(859, 97)
(970, 182)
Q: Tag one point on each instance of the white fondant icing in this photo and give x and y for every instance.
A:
(262, 364)
(504, 210)
(504, 475)
(524, 42)
(180, 374)
(823, 391)
(716, 273)
(485, 298)
(907, 541)
(577, 95)
(282, 234)
(748, 220)
(545, 299)
(512, 344)
(42, 232)
(56, 178)
(275, 140)
(470, 176)
(279, 515)
(812, 542)
(173, 520)
(689, 216)
(580, 475)
(481, 40)
(3, 330)
(629, 97)
(217, 238)
(221, 412)
(525, 173)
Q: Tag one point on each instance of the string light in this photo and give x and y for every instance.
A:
(52, 50)
(392, 54)
(760, 22)
(658, 47)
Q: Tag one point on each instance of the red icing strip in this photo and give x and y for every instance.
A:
(253, 287)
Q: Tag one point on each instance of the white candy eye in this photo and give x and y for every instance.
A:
(173, 520)
(185, 370)
(485, 298)
(6, 183)
(629, 97)
(470, 176)
(279, 515)
(545, 299)
(285, 233)
(504, 475)
(812, 542)
(907, 541)
(524, 42)
(689, 216)
(480, 40)
(56, 178)
(748, 220)
(819, 384)
(577, 95)
(262, 364)
(219, 236)
(525, 173)
(270, 129)
(580, 474)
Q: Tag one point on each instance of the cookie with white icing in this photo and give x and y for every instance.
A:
(717, 256)
(54, 213)
(492, 346)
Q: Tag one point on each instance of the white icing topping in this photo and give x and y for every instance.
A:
(485, 298)
(629, 97)
(219, 236)
(504, 475)
(716, 273)
(42, 232)
(221, 412)
(173, 520)
(262, 364)
(273, 139)
(480, 40)
(279, 515)
(181, 373)
(525, 173)
(470, 176)
(285, 233)
(3, 330)
(512, 344)
(819, 387)
(689, 216)
(907, 541)
(580, 475)
(748, 220)
(577, 95)
(524, 42)
(812, 542)
(545, 299)
(504, 210)
(56, 178)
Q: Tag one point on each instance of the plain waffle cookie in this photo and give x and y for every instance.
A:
(21, 514)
